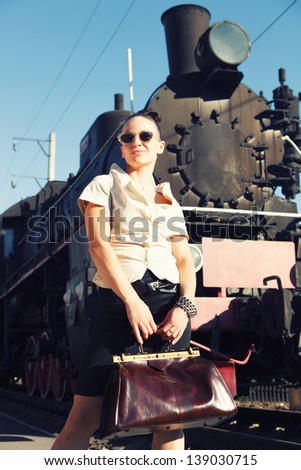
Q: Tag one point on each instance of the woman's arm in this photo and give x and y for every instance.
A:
(97, 221)
(176, 320)
(185, 264)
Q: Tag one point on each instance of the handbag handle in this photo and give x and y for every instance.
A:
(141, 349)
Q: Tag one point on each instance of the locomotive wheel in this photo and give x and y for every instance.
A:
(59, 370)
(72, 377)
(44, 374)
(31, 366)
(44, 367)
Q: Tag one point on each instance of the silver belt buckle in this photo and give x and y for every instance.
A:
(155, 285)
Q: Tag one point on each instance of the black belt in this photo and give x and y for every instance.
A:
(155, 286)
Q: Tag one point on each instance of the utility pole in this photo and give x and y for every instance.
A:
(130, 76)
(50, 155)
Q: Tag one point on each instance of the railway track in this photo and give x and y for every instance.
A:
(251, 428)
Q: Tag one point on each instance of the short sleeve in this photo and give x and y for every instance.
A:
(98, 192)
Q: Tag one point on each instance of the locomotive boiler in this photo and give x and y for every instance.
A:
(229, 153)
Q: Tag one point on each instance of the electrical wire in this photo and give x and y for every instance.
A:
(63, 67)
(86, 77)
(95, 63)
(50, 92)
(273, 22)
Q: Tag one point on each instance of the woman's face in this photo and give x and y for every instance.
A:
(145, 143)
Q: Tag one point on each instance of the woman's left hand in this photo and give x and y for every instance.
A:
(174, 324)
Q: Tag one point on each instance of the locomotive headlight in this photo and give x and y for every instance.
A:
(223, 44)
(197, 256)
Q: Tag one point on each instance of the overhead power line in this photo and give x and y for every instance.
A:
(95, 63)
(51, 90)
(88, 74)
(273, 22)
(63, 67)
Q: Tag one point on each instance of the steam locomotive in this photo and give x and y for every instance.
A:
(229, 153)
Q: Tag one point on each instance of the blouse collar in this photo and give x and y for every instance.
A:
(162, 188)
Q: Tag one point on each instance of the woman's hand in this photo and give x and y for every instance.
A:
(141, 319)
(173, 326)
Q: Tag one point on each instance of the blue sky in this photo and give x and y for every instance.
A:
(63, 61)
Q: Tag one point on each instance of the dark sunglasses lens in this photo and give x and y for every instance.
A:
(146, 136)
(126, 138)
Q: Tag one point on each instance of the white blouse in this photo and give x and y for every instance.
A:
(140, 229)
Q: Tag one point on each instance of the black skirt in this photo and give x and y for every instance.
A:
(113, 334)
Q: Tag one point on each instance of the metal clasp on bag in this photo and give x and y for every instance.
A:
(143, 356)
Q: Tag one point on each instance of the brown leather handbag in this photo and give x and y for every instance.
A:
(164, 391)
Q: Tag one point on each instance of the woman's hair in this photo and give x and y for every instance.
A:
(148, 114)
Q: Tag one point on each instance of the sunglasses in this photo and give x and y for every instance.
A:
(128, 137)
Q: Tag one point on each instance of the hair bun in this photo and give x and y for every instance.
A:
(151, 114)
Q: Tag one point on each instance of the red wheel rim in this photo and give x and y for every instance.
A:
(44, 369)
(72, 377)
(59, 368)
(31, 366)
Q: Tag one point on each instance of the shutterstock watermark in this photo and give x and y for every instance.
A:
(237, 227)
(57, 227)
(43, 229)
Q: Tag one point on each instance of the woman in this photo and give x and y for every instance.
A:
(139, 244)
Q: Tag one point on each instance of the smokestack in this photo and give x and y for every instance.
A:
(184, 25)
